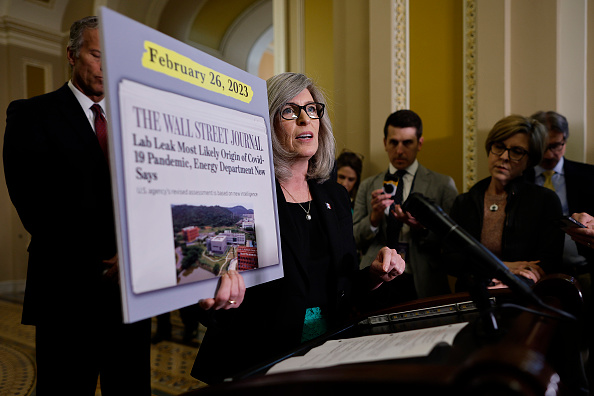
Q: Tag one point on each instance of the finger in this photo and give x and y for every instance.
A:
(234, 290)
(382, 195)
(382, 204)
(386, 201)
(223, 292)
(395, 273)
(498, 286)
(396, 266)
(206, 303)
(412, 222)
(111, 272)
(583, 218)
(401, 264)
(532, 276)
(109, 262)
(385, 259)
(241, 295)
(535, 267)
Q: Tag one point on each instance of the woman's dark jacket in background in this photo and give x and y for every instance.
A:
(530, 232)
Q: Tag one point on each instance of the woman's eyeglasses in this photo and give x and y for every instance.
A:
(514, 153)
(556, 147)
(292, 111)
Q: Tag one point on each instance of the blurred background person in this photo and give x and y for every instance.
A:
(349, 166)
(585, 244)
(379, 219)
(515, 220)
(572, 181)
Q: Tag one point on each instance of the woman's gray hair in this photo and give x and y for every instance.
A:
(76, 32)
(281, 89)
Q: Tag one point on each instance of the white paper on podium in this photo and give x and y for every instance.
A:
(406, 344)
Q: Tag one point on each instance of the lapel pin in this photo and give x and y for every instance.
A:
(328, 206)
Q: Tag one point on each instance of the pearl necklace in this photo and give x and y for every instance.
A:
(307, 215)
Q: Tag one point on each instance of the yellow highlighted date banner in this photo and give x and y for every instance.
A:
(163, 60)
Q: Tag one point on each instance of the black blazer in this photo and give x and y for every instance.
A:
(530, 231)
(270, 320)
(579, 185)
(59, 182)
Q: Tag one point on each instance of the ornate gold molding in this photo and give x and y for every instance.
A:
(400, 83)
(469, 106)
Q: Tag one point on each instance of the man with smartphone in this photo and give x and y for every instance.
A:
(379, 219)
(572, 181)
(574, 184)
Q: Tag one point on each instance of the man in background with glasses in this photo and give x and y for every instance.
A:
(572, 181)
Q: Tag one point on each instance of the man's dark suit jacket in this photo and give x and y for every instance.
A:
(579, 185)
(270, 320)
(59, 182)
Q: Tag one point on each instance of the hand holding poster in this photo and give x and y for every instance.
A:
(192, 169)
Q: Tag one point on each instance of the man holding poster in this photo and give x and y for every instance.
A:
(57, 173)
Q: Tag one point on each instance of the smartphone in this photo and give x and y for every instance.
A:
(569, 222)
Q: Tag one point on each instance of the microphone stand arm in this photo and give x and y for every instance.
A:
(478, 290)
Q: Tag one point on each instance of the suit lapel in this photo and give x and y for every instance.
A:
(74, 115)
(422, 182)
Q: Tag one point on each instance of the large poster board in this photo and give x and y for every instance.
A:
(192, 172)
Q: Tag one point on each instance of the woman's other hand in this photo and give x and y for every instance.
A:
(527, 269)
(229, 294)
(388, 264)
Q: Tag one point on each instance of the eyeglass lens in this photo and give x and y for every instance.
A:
(555, 146)
(515, 153)
(292, 111)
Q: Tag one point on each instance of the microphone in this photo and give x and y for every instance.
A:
(434, 218)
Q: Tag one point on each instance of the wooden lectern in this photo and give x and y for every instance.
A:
(532, 352)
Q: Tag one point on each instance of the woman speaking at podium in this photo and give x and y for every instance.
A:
(322, 282)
